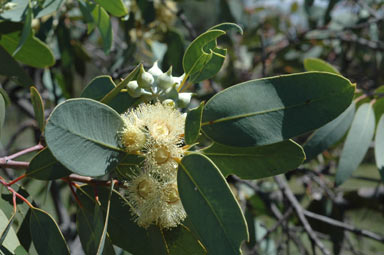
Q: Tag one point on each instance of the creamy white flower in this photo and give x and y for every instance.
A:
(155, 202)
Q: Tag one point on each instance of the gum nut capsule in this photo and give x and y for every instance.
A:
(133, 89)
(145, 79)
(155, 70)
(165, 80)
(184, 99)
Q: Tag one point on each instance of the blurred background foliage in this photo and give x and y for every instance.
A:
(61, 45)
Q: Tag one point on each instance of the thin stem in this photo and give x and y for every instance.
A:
(25, 151)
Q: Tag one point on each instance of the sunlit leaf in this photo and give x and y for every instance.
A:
(38, 107)
(357, 142)
(379, 147)
(271, 110)
(316, 64)
(328, 135)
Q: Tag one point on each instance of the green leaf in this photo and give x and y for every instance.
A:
(46, 235)
(357, 142)
(114, 92)
(2, 112)
(101, 86)
(38, 107)
(82, 134)
(227, 26)
(8, 236)
(44, 166)
(271, 110)
(9, 67)
(27, 29)
(90, 224)
(123, 230)
(95, 15)
(316, 64)
(115, 7)
(16, 14)
(211, 206)
(34, 52)
(5, 232)
(212, 66)
(378, 107)
(328, 135)
(193, 124)
(256, 162)
(180, 240)
(49, 7)
(379, 147)
(196, 55)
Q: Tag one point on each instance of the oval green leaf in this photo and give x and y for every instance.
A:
(193, 124)
(271, 110)
(38, 107)
(46, 235)
(316, 64)
(195, 57)
(379, 147)
(256, 162)
(44, 166)
(328, 135)
(33, 53)
(357, 142)
(114, 7)
(82, 134)
(210, 205)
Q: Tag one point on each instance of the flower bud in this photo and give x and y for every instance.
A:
(165, 80)
(133, 89)
(155, 70)
(184, 99)
(145, 79)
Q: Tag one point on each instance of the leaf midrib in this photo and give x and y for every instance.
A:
(210, 206)
(250, 114)
(87, 138)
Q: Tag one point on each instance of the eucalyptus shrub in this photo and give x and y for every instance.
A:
(154, 169)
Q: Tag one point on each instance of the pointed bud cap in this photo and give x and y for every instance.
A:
(145, 79)
(155, 70)
(165, 80)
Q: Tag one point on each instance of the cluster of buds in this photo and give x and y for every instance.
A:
(155, 131)
(159, 85)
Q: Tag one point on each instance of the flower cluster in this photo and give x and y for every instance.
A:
(156, 132)
(157, 84)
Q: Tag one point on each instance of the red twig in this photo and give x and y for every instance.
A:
(71, 185)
